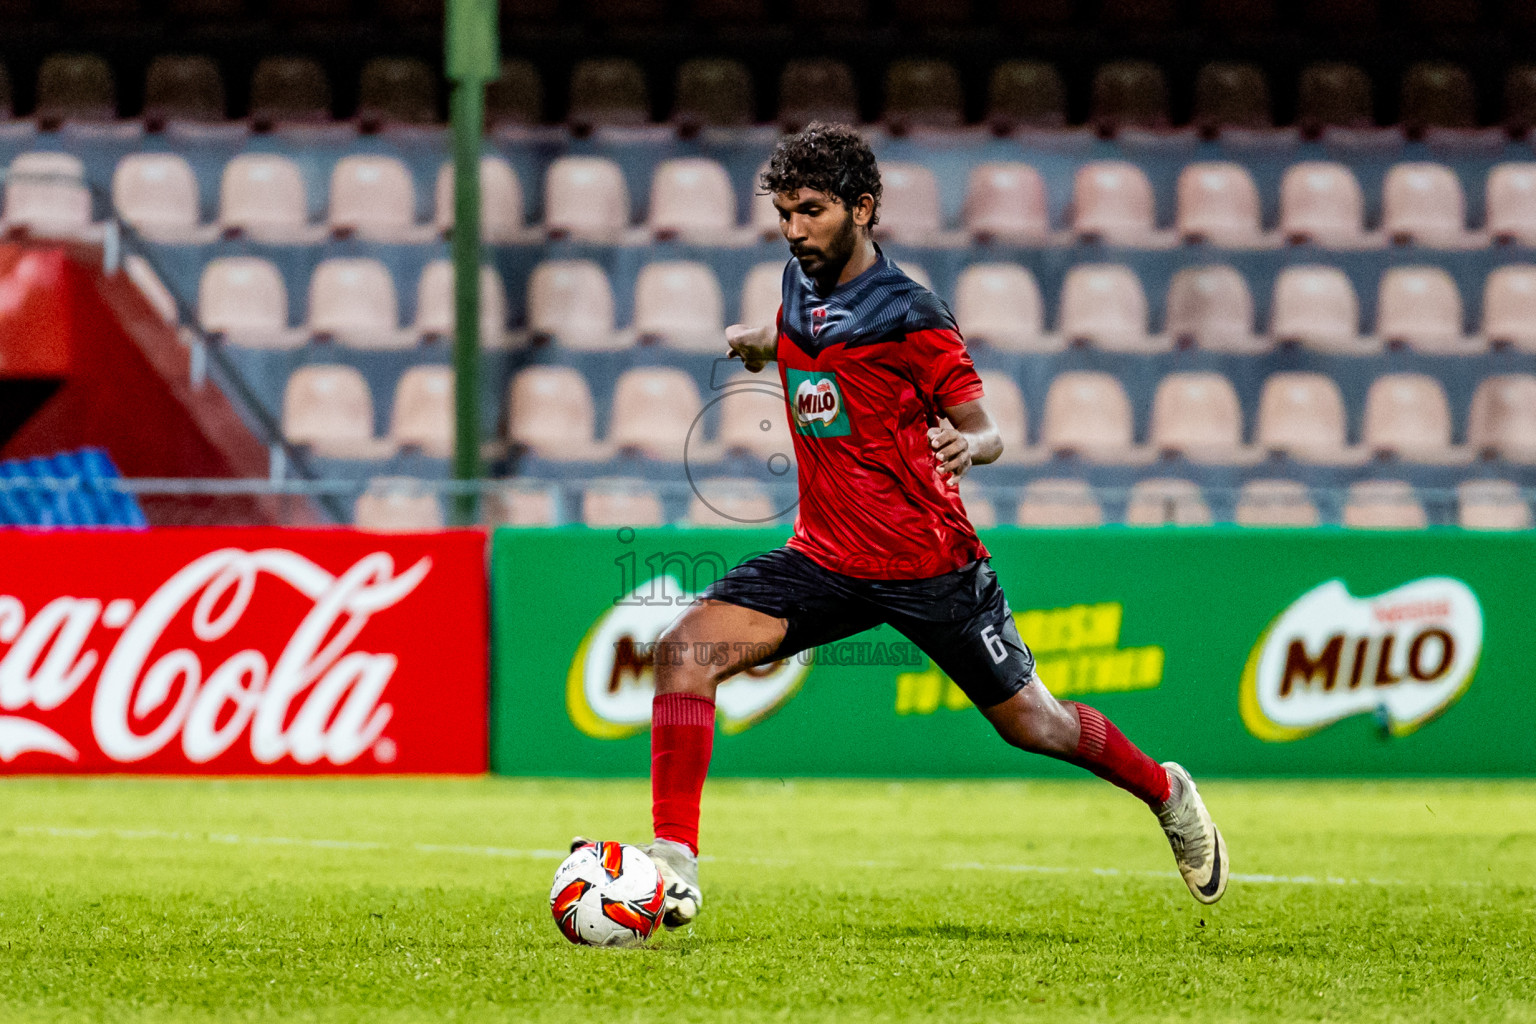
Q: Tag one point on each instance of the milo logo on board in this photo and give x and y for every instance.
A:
(1405, 655)
(816, 404)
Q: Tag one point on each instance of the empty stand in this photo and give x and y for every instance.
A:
(262, 194)
(45, 195)
(1423, 204)
(713, 93)
(353, 301)
(999, 304)
(521, 504)
(923, 94)
(585, 197)
(244, 300)
(753, 418)
(289, 91)
(1407, 415)
(1218, 203)
(1102, 305)
(1511, 203)
(1322, 202)
(761, 294)
(1006, 404)
(1055, 502)
(678, 303)
(653, 410)
(373, 197)
(816, 90)
(1197, 415)
(1334, 95)
(501, 201)
(1275, 503)
(731, 504)
(397, 506)
(1006, 201)
(1231, 95)
(423, 411)
(516, 99)
(395, 92)
(329, 410)
(75, 87)
(1129, 94)
(571, 301)
(1167, 502)
(1502, 421)
(551, 414)
(1420, 308)
(1302, 415)
(1088, 414)
(435, 309)
(1509, 307)
(617, 502)
(608, 92)
(1492, 505)
(181, 89)
(909, 205)
(157, 194)
(1384, 505)
(1437, 94)
(691, 198)
(1211, 308)
(1112, 201)
(1026, 94)
(1317, 307)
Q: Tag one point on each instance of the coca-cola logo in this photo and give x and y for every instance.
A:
(318, 701)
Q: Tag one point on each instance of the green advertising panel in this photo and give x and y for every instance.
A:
(1236, 652)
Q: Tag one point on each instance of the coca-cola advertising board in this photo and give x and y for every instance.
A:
(242, 651)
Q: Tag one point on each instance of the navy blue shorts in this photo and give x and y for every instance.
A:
(961, 619)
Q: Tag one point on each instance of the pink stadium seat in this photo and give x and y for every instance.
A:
(1088, 413)
(999, 303)
(1167, 502)
(551, 413)
(1211, 308)
(435, 309)
(423, 411)
(372, 196)
(501, 200)
(1197, 415)
(692, 198)
(1006, 404)
(1275, 503)
(157, 194)
(909, 205)
(1112, 200)
(1384, 505)
(328, 409)
(1218, 203)
(263, 194)
(397, 506)
(1006, 201)
(761, 294)
(244, 299)
(617, 502)
(1322, 203)
(520, 504)
(1509, 307)
(353, 301)
(585, 197)
(1492, 505)
(678, 303)
(1302, 415)
(753, 419)
(1317, 307)
(45, 194)
(572, 302)
(730, 504)
(1502, 421)
(653, 410)
(1420, 308)
(1407, 415)
(1059, 503)
(1423, 204)
(1511, 203)
(1102, 305)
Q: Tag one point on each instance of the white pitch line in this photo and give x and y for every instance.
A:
(518, 854)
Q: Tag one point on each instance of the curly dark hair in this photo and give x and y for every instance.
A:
(830, 158)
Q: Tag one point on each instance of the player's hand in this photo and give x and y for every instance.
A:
(951, 450)
(754, 346)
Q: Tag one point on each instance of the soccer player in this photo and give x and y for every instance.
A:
(888, 415)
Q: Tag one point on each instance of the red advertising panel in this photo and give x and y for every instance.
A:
(242, 651)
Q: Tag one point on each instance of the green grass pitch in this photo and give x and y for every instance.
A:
(131, 900)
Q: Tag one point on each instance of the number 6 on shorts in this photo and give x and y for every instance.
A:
(994, 644)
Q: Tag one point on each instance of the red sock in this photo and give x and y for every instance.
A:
(1104, 750)
(682, 736)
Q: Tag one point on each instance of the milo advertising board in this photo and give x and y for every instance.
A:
(1236, 652)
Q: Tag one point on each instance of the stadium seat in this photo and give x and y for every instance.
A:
(328, 410)
(1218, 203)
(1275, 503)
(550, 414)
(1322, 202)
(182, 90)
(1334, 95)
(1511, 203)
(516, 99)
(1054, 502)
(1407, 416)
(262, 194)
(585, 197)
(1383, 505)
(1423, 204)
(1088, 414)
(1316, 307)
(353, 302)
(156, 193)
(435, 309)
(520, 503)
(1520, 99)
(1026, 94)
(1437, 94)
(1419, 308)
(1112, 201)
(978, 507)
(999, 304)
(289, 91)
(1103, 306)
(45, 194)
(372, 197)
(1128, 94)
(423, 411)
(243, 299)
(616, 503)
(692, 199)
(678, 303)
(923, 94)
(1167, 502)
(396, 91)
(1509, 307)
(1502, 421)
(761, 295)
(713, 93)
(1231, 95)
(1211, 308)
(654, 408)
(816, 90)
(606, 93)
(397, 506)
(571, 301)
(1006, 201)
(501, 201)
(74, 87)
(1492, 505)
(1302, 415)
(730, 504)
(1197, 415)
(909, 204)
(752, 418)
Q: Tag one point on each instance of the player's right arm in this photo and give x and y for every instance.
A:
(756, 347)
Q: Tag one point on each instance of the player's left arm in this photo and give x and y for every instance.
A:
(970, 438)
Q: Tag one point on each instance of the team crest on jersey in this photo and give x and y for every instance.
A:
(816, 403)
(818, 320)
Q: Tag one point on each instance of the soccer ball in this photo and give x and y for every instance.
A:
(607, 894)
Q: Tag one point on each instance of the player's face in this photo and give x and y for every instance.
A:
(820, 230)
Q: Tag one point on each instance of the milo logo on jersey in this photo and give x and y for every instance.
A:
(1405, 655)
(816, 403)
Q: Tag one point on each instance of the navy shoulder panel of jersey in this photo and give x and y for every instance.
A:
(882, 304)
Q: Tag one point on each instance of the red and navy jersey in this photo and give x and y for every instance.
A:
(867, 370)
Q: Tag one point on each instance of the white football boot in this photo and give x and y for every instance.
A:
(1196, 841)
(680, 871)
